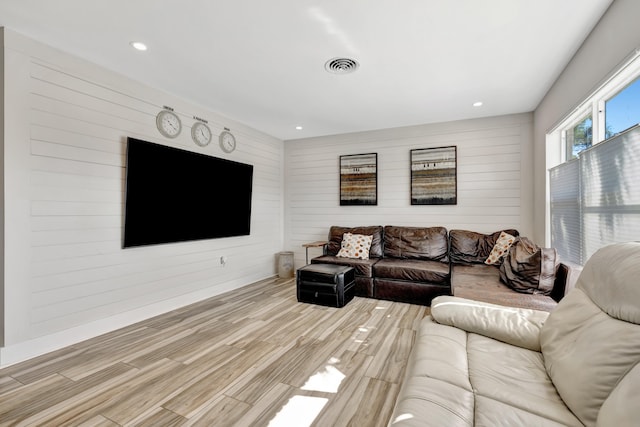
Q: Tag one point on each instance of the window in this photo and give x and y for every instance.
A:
(623, 110)
(594, 176)
(595, 199)
(579, 137)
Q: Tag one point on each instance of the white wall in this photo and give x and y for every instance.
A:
(1, 192)
(66, 277)
(611, 41)
(494, 179)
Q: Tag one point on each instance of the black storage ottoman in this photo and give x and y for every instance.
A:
(325, 284)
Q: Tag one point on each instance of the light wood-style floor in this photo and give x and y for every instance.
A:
(249, 357)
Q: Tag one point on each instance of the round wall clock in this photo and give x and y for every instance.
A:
(201, 134)
(227, 141)
(168, 123)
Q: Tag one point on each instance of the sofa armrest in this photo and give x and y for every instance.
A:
(516, 326)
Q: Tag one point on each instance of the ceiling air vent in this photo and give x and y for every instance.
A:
(341, 65)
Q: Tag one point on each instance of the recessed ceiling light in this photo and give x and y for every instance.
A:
(139, 45)
(298, 127)
(477, 104)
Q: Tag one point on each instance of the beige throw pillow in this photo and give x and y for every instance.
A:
(500, 249)
(355, 246)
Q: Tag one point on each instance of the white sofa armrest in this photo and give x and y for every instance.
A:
(516, 326)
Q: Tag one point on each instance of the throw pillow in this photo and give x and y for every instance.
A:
(355, 246)
(500, 249)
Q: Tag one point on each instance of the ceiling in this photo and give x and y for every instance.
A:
(262, 62)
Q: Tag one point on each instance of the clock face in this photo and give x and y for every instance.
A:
(168, 123)
(227, 142)
(201, 134)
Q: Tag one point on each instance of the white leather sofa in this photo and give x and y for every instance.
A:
(479, 364)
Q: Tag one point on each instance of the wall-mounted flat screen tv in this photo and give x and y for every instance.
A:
(174, 195)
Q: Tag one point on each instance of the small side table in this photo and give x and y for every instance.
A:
(316, 244)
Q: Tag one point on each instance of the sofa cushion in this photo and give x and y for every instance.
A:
(455, 378)
(413, 270)
(621, 407)
(334, 242)
(436, 390)
(481, 282)
(592, 339)
(427, 401)
(512, 386)
(469, 247)
(618, 266)
(428, 243)
(494, 413)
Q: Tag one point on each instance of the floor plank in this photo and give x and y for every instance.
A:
(250, 357)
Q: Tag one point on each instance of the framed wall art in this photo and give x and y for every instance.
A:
(434, 176)
(359, 179)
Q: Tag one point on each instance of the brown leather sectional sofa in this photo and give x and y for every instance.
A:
(416, 264)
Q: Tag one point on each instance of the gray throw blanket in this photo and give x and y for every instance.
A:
(528, 268)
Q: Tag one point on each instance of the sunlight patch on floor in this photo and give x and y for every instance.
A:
(300, 411)
(327, 380)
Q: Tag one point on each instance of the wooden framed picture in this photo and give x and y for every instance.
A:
(434, 176)
(359, 179)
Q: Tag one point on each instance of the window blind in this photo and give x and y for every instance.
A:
(595, 200)
(566, 225)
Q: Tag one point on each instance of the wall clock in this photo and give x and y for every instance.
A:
(227, 141)
(168, 123)
(201, 134)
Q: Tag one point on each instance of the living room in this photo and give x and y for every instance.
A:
(66, 120)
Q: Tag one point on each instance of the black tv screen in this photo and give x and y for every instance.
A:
(174, 195)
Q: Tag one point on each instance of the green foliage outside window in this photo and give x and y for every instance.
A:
(580, 137)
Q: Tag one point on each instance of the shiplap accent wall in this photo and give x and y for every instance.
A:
(67, 276)
(494, 179)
